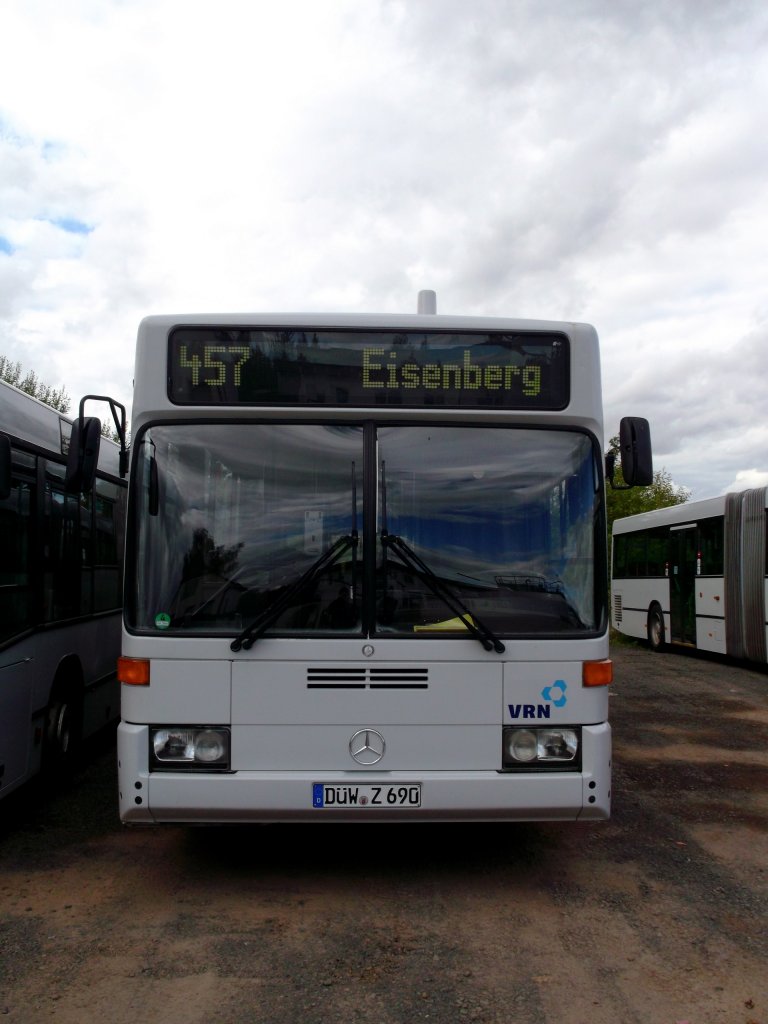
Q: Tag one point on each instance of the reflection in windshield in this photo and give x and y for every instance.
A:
(504, 519)
(505, 516)
(340, 612)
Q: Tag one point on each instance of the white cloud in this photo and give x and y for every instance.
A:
(577, 160)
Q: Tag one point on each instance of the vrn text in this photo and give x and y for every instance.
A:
(529, 710)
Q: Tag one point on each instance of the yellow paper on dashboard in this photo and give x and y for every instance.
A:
(446, 625)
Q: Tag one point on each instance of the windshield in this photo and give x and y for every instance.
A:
(407, 530)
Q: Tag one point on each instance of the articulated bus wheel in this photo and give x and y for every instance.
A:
(655, 628)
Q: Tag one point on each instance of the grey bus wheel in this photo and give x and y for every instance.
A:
(62, 730)
(655, 629)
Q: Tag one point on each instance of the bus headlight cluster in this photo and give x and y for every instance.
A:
(174, 748)
(532, 748)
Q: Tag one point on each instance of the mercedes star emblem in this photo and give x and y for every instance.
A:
(367, 746)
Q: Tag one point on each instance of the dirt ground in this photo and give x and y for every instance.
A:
(655, 917)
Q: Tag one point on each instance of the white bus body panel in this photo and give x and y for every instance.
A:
(631, 599)
(249, 796)
(710, 614)
(287, 735)
(28, 668)
(634, 598)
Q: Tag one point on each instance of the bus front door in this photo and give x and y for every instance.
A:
(682, 584)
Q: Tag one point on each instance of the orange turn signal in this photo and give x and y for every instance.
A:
(133, 671)
(597, 673)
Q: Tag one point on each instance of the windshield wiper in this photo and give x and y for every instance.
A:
(270, 615)
(441, 590)
(439, 587)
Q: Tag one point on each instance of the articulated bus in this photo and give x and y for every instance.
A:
(60, 585)
(366, 570)
(695, 575)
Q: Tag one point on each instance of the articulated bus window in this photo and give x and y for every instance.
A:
(15, 569)
(637, 555)
(658, 543)
(619, 555)
(62, 549)
(711, 546)
(106, 571)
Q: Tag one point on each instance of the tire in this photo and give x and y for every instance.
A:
(63, 723)
(655, 628)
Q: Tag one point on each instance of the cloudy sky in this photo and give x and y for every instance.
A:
(596, 160)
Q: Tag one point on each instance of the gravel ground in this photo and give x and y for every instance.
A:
(655, 917)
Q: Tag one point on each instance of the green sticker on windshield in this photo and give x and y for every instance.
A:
(162, 620)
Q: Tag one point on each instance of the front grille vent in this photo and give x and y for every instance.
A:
(362, 677)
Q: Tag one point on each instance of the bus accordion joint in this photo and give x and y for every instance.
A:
(597, 673)
(133, 671)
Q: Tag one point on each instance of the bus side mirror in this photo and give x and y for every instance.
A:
(636, 454)
(83, 455)
(5, 466)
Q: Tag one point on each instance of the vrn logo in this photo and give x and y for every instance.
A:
(554, 694)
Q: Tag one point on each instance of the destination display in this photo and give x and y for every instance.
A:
(353, 368)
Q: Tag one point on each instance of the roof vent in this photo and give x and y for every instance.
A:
(427, 302)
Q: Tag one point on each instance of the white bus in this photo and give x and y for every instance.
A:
(694, 575)
(367, 570)
(61, 552)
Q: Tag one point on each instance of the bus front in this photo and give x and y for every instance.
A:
(366, 573)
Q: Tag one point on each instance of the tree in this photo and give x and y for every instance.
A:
(58, 399)
(10, 372)
(660, 494)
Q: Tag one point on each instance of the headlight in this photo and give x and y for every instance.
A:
(533, 748)
(175, 748)
(522, 745)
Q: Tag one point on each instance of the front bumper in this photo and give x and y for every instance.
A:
(286, 796)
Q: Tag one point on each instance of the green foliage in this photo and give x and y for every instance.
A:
(108, 431)
(660, 494)
(10, 372)
(58, 399)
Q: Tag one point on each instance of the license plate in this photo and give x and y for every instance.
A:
(326, 795)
